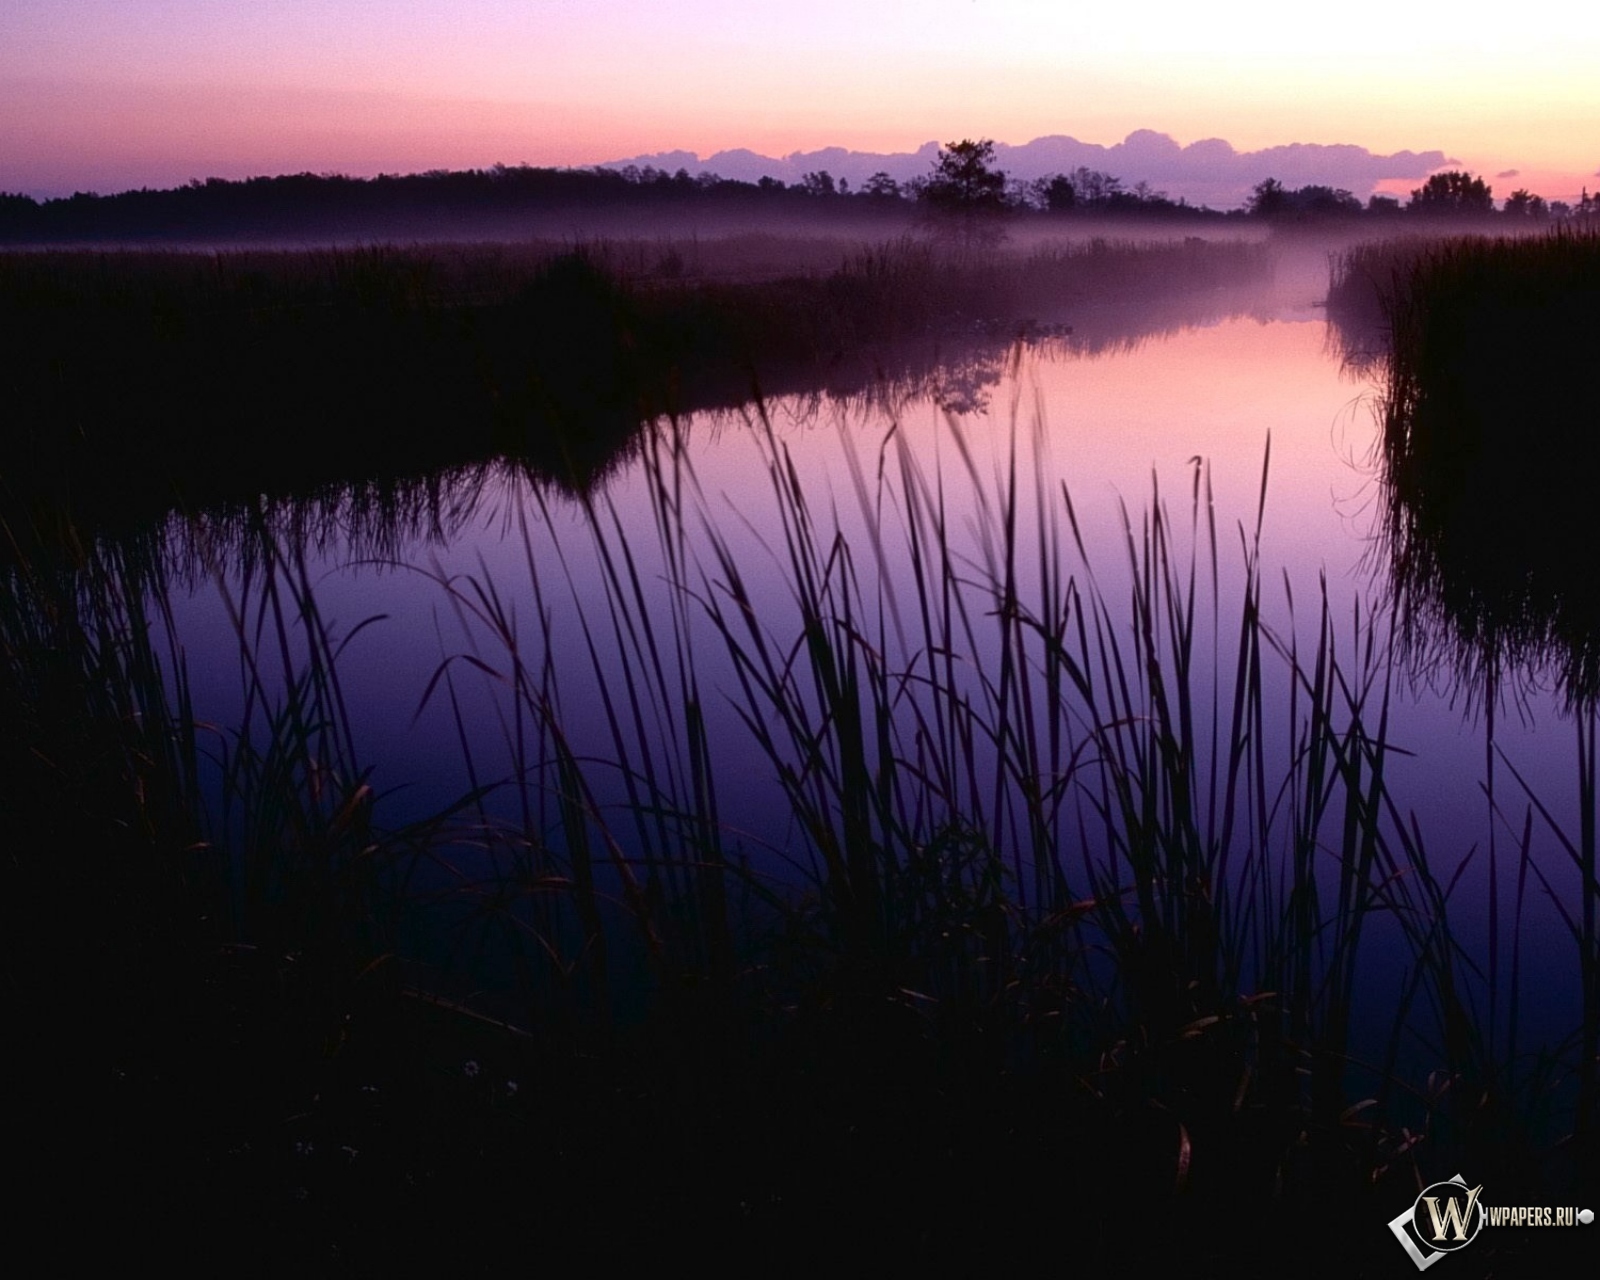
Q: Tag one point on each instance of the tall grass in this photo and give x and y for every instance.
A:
(142, 382)
(1486, 441)
(1132, 832)
(261, 829)
(1486, 450)
(1103, 833)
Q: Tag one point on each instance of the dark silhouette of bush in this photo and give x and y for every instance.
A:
(1273, 201)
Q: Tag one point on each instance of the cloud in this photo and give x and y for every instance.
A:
(1209, 172)
(1509, 173)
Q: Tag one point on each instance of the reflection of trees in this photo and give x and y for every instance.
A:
(964, 388)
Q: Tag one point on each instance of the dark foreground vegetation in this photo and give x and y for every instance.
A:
(1078, 954)
(141, 383)
(1106, 934)
(1491, 436)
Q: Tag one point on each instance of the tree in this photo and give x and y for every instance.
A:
(819, 183)
(1453, 193)
(963, 180)
(1268, 199)
(1093, 186)
(881, 186)
(1522, 203)
(966, 193)
(1325, 202)
(1271, 199)
(1055, 193)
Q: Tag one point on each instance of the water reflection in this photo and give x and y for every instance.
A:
(557, 392)
(532, 627)
(1488, 453)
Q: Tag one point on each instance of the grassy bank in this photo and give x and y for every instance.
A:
(136, 383)
(1488, 439)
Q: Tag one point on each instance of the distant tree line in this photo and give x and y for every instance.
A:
(964, 182)
(1451, 194)
(438, 201)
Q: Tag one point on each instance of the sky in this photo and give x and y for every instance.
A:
(110, 94)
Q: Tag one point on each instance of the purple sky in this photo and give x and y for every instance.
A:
(104, 94)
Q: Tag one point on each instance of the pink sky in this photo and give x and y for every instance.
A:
(106, 94)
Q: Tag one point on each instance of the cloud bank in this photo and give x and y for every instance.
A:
(1209, 172)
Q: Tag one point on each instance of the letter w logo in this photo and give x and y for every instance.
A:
(1454, 1217)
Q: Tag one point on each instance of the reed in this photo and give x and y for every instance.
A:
(1140, 837)
(1486, 440)
(1486, 415)
(1093, 842)
(338, 367)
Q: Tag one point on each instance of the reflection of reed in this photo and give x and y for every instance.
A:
(1361, 278)
(1490, 450)
(1058, 856)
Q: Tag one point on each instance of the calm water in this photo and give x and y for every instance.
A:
(1115, 429)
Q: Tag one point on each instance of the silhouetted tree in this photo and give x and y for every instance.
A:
(1268, 199)
(1325, 202)
(963, 181)
(1522, 203)
(882, 186)
(1453, 192)
(1093, 186)
(966, 191)
(17, 207)
(1055, 192)
(819, 183)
